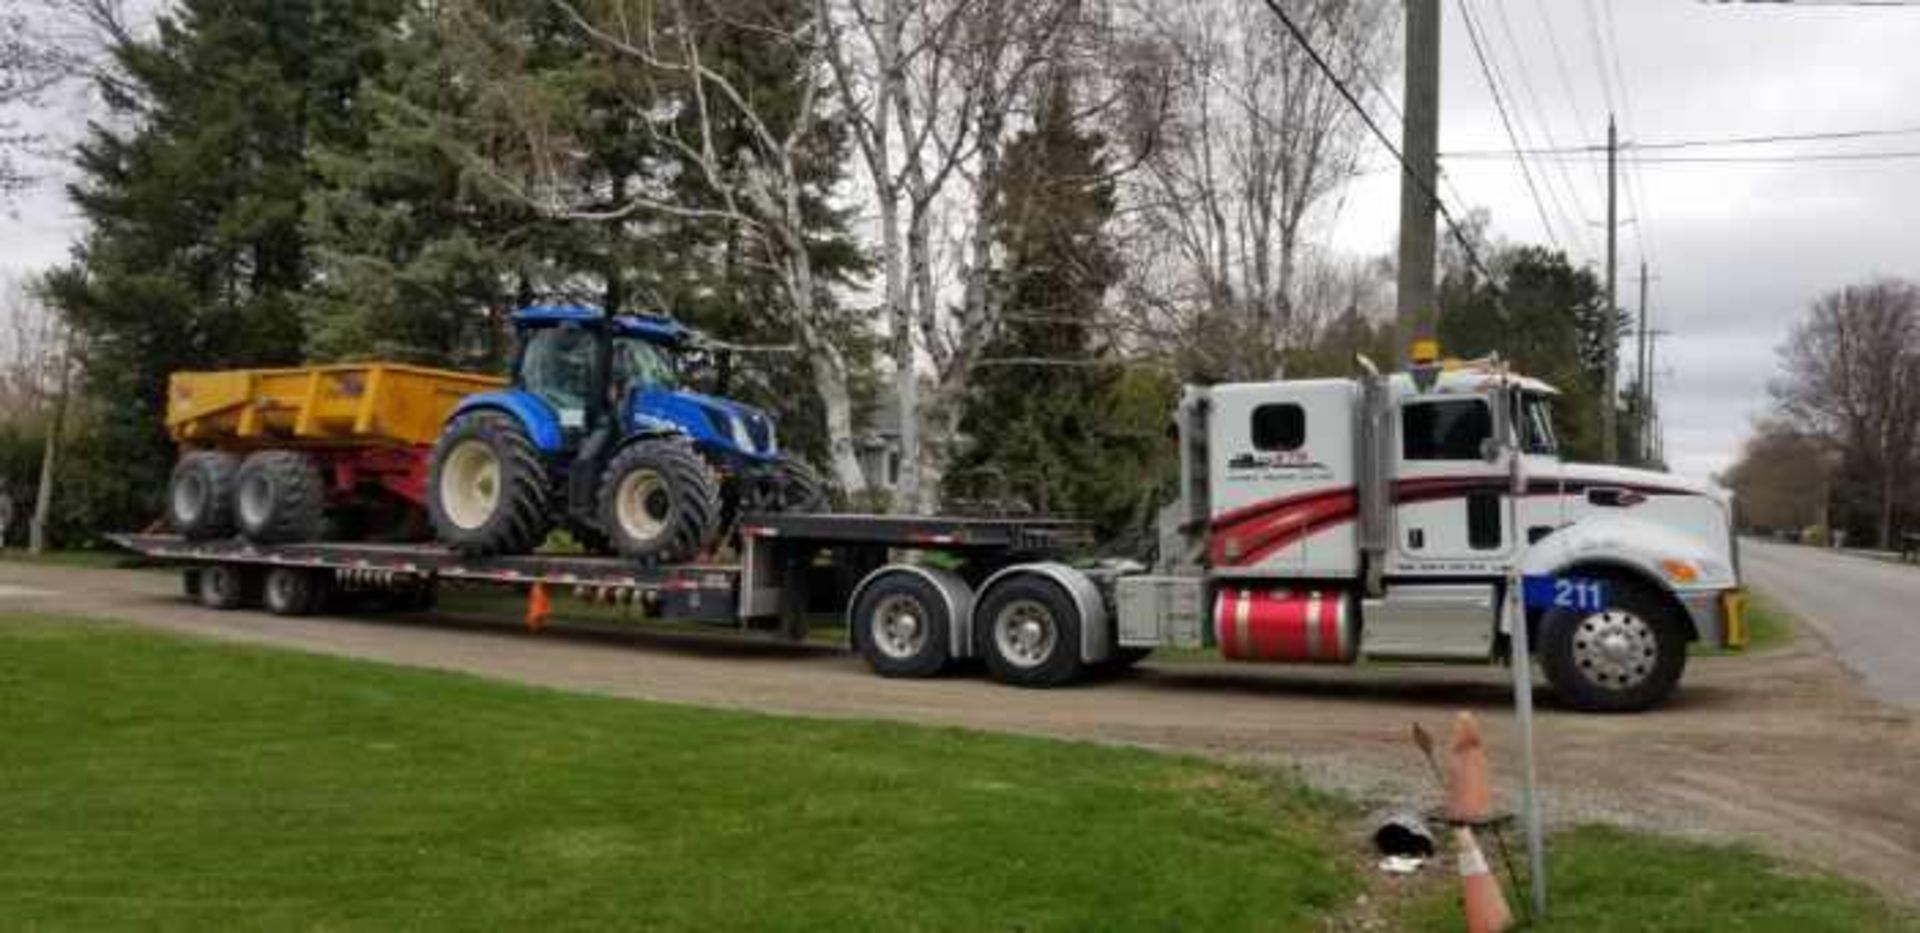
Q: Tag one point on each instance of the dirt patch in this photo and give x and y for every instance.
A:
(1782, 750)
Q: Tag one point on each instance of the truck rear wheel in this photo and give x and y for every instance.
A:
(279, 496)
(1029, 632)
(292, 591)
(659, 502)
(902, 627)
(227, 586)
(486, 489)
(200, 495)
(1625, 658)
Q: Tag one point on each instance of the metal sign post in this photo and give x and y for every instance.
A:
(1520, 658)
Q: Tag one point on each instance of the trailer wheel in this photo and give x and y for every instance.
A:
(902, 626)
(200, 495)
(659, 502)
(279, 496)
(291, 591)
(190, 583)
(226, 586)
(1029, 632)
(1626, 658)
(487, 490)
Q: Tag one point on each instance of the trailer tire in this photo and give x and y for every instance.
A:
(1028, 630)
(279, 496)
(190, 584)
(659, 503)
(226, 586)
(1624, 659)
(200, 495)
(292, 591)
(902, 626)
(487, 490)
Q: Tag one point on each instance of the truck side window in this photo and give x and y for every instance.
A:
(1444, 429)
(1279, 427)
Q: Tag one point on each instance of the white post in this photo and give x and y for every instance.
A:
(1520, 657)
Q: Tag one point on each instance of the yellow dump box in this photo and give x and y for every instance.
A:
(350, 404)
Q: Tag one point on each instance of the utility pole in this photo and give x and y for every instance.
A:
(1609, 435)
(1643, 430)
(1416, 312)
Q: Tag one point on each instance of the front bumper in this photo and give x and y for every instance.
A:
(1719, 616)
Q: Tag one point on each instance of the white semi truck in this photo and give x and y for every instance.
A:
(1318, 521)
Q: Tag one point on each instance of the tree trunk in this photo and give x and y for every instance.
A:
(50, 459)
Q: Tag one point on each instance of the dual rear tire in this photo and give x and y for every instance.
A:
(1027, 629)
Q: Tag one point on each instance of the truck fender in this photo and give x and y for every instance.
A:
(1096, 632)
(1623, 544)
(954, 591)
(535, 416)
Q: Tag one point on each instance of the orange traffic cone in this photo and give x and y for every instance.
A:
(1469, 793)
(1486, 904)
(538, 607)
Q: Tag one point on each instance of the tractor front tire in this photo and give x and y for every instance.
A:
(200, 495)
(659, 503)
(487, 490)
(279, 496)
(799, 488)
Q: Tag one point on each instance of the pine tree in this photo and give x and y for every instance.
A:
(194, 190)
(1047, 419)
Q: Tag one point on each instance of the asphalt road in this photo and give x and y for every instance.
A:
(1868, 610)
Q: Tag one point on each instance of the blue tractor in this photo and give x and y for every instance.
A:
(599, 434)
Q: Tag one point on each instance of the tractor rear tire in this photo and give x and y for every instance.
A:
(487, 490)
(279, 496)
(200, 495)
(659, 503)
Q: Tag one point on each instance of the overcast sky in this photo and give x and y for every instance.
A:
(1739, 250)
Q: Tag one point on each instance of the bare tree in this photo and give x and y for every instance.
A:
(1256, 142)
(47, 47)
(1852, 376)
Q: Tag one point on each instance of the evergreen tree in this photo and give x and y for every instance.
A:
(194, 190)
(1050, 423)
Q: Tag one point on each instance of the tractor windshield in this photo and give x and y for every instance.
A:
(557, 366)
(637, 363)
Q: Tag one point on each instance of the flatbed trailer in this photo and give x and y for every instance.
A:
(791, 567)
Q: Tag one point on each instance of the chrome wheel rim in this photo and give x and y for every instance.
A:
(470, 484)
(642, 505)
(899, 627)
(1615, 649)
(280, 589)
(1024, 633)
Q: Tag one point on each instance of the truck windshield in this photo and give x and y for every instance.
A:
(1536, 425)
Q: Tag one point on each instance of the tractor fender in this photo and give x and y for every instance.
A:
(536, 417)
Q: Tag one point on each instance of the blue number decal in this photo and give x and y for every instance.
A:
(1575, 594)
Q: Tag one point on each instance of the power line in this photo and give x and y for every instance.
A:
(1566, 85)
(1635, 181)
(1705, 160)
(1714, 143)
(1406, 170)
(1499, 103)
(1576, 219)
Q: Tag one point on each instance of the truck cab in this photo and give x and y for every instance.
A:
(1388, 516)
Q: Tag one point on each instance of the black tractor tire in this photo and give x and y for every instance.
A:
(799, 488)
(1622, 660)
(1028, 630)
(659, 502)
(279, 497)
(228, 586)
(200, 495)
(293, 591)
(503, 507)
(902, 627)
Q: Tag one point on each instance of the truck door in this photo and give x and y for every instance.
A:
(1450, 498)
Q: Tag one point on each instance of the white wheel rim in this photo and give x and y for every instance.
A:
(280, 589)
(1615, 649)
(189, 497)
(899, 627)
(256, 500)
(1024, 632)
(470, 484)
(642, 505)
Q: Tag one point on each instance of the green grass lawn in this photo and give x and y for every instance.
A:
(1611, 881)
(156, 781)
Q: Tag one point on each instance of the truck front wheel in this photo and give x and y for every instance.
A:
(1029, 632)
(1625, 658)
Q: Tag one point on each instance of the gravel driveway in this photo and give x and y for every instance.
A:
(1782, 749)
